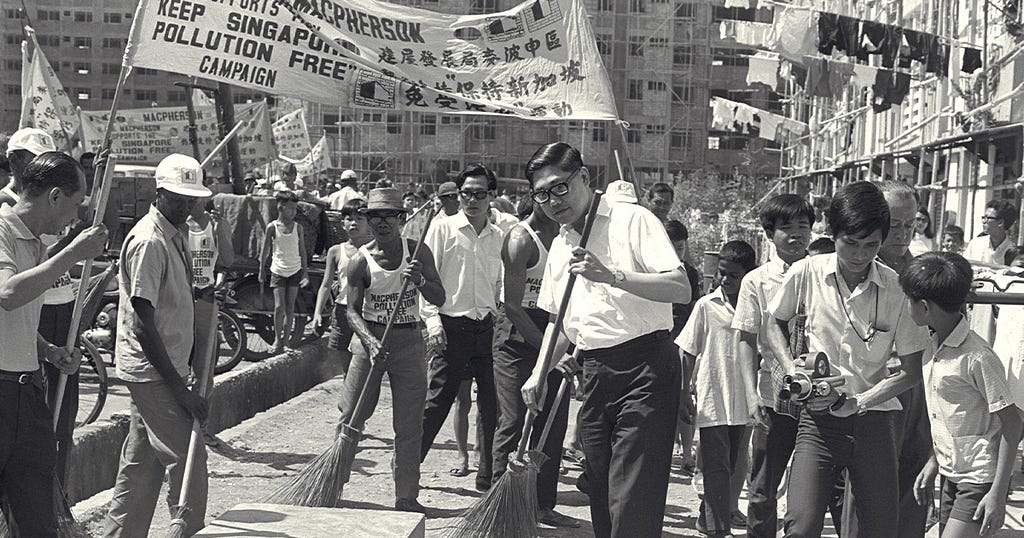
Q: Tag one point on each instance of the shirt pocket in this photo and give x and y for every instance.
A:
(972, 452)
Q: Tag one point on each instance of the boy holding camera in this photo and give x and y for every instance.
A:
(975, 426)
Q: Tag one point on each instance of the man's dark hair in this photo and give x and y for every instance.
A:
(558, 154)
(477, 170)
(663, 188)
(525, 207)
(676, 231)
(408, 194)
(943, 278)
(286, 196)
(49, 170)
(87, 156)
(739, 252)
(1005, 210)
(352, 207)
(858, 210)
(822, 245)
(954, 230)
(779, 210)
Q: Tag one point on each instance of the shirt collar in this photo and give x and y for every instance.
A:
(604, 209)
(462, 221)
(162, 224)
(832, 268)
(719, 297)
(958, 336)
(18, 226)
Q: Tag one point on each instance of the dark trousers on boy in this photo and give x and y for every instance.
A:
(771, 446)
(469, 342)
(513, 364)
(27, 455)
(54, 322)
(628, 423)
(719, 453)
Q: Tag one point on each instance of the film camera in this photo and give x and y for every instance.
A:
(803, 384)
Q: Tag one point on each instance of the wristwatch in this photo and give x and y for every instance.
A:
(618, 278)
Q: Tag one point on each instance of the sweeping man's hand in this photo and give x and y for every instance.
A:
(66, 362)
(195, 404)
(586, 264)
(533, 392)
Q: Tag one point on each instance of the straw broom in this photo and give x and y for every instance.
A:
(320, 483)
(509, 509)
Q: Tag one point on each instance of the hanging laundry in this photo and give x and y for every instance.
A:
(915, 48)
(828, 32)
(743, 118)
(864, 75)
(971, 61)
(764, 70)
(792, 35)
(738, 3)
(727, 29)
(899, 89)
(799, 74)
(891, 88)
(847, 37)
(891, 46)
(722, 115)
(769, 126)
(754, 34)
(938, 57)
(817, 78)
(839, 75)
(872, 39)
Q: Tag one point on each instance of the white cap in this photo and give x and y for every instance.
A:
(621, 191)
(32, 140)
(182, 175)
(348, 174)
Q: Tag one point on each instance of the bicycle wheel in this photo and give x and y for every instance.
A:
(92, 384)
(230, 341)
(259, 342)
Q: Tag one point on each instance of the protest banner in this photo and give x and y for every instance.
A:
(147, 135)
(291, 136)
(44, 103)
(317, 160)
(538, 60)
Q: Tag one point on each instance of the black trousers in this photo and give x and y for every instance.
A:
(27, 455)
(771, 447)
(914, 443)
(513, 364)
(54, 322)
(719, 452)
(469, 342)
(628, 423)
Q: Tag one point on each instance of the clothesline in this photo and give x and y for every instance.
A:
(728, 115)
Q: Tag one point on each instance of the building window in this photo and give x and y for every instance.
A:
(730, 57)
(685, 11)
(110, 69)
(604, 44)
(144, 71)
(394, 124)
(82, 94)
(12, 13)
(600, 132)
(683, 94)
(112, 18)
(681, 139)
(636, 45)
(372, 117)
(11, 89)
(450, 120)
(637, 6)
(48, 15)
(636, 90)
(175, 96)
(485, 130)
(682, 55)
(657, 42)
(656, 86)
(734, 14)
(82, 68)
(108, 94)
(13, 39)
(145, 95)
(654, 129)
(13, 65)
(633, 135)
(47, 40)
(113, 43)
(83, 16)
(428, 124)
(606, 5)
(83, 42)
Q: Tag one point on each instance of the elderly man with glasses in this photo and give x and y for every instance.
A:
(467, 253)
(991, 249)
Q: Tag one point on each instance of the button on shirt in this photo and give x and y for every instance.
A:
(469, 265)
(20, 251)
(709, 336)
(964, 384)
(155, 265)
(625, 237)
(878, 303)
(752, 316)
(980, 250)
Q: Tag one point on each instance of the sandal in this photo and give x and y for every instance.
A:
(459, 471)
(688, 469)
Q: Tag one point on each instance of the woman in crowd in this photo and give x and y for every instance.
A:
(924, 237)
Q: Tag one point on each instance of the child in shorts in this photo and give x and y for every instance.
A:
(975, 426)
(284, 242)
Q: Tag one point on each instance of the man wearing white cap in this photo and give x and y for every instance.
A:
(22, 147)
(338, 199)
(154, 341)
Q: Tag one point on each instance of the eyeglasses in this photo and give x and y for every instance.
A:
(479, 195)
(920, 219)
(558, 189)
(447, 196)
(390, 218)
(986, 218)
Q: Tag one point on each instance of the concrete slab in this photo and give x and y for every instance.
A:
(256, 519)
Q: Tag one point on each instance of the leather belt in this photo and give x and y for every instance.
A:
(21, 378)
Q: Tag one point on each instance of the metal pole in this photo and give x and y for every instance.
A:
(191, 108)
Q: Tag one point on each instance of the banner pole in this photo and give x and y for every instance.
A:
(224, 142)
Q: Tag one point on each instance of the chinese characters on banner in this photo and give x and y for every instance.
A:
(537, 60)
(44, 104)
(147, 135)
(291, 135)
(317, 160)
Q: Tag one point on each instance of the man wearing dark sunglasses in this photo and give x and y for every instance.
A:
(619, 316)
(467, 253)
(448, 195)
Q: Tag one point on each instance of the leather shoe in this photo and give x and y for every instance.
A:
(409, 505)
(554, 519)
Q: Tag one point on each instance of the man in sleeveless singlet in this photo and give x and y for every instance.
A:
(375, 275)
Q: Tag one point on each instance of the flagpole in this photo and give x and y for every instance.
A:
(98, 205)
(220, 145)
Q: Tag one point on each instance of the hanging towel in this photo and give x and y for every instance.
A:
(754, 34)
(792, 33)
(938, 57)
(891, 46)
(899, 89)
(872, 39)
(817, 78)
(971, 61)
(769, 126)
(763, 70)
(727, 29)
(828, 32)
(864, 75)
(883, 84)
(738, 3)
(839, 75)
(916, 48)
(849, 32)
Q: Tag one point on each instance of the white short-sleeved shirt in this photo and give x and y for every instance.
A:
(625, 237)
(752, 316)
(20, 250)
(980, 250)
(965, 383)
(709, 336)
(344, 195)
(877, 303)
(155, 265)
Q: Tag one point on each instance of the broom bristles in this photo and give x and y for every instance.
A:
(178, 523)
(509, 509)
(67, 526)
(320, 482)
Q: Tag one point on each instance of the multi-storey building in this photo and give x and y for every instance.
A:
(664, 59)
